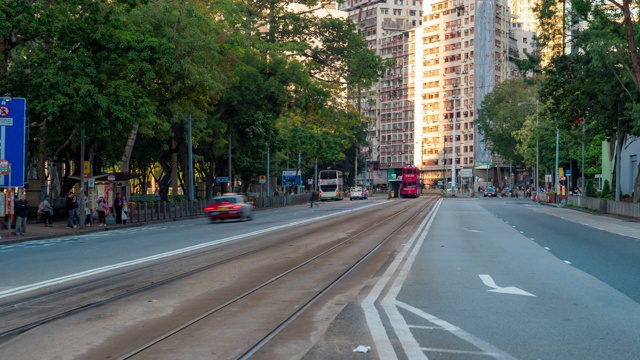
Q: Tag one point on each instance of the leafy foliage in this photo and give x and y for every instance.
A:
(130, 73)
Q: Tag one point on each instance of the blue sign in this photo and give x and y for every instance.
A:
(14, 140)
(222, 179)
(291, 178)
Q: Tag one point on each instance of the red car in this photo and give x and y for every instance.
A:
(229, 206)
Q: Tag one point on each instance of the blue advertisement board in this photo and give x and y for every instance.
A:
(14, 140)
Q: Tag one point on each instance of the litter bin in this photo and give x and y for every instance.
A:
(132, 208)
(393, 194)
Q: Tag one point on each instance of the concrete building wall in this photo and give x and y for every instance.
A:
(629, 160)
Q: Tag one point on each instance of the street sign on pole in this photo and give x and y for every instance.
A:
(13, 140)
(221, 179)
(291, 178)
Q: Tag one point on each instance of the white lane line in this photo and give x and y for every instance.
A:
(449, 351)
(479, 343)
(377, 329)
(532, 239)
(90, 272)
(391, 306)
(546, 248)
(568, 262)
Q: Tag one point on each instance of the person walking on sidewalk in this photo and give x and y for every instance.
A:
(71, 205)
(47, 211)
(102, 210)
(22, 211)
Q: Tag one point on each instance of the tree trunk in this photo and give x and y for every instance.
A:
(128, 149)
(629, 26)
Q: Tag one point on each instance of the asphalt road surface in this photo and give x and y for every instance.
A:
(511, 279)
(477, 278)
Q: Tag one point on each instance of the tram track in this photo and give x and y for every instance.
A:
(206, 261)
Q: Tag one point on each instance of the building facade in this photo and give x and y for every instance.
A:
(449, 55)
(461, 52)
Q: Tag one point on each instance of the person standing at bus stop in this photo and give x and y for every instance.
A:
(22, 211)
(117, 207)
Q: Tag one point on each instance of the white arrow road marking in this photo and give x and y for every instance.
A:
(488, 280)
(473, 231)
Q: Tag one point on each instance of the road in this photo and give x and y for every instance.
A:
(510, 279)
(475, 278)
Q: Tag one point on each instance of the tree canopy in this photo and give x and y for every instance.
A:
(250, 75)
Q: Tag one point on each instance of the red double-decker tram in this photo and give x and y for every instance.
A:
(410, 186)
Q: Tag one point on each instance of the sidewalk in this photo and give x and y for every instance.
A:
(59, 229)
(39, 231)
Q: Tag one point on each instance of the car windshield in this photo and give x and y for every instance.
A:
(491, 189)
(225, 199)
(356, 189)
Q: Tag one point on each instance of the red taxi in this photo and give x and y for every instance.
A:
(229, 206)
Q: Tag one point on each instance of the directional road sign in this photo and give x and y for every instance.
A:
(14, 140)
(291, 178)
(222, 179)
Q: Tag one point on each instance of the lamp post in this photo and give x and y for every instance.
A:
(453, 149)
(537, 159)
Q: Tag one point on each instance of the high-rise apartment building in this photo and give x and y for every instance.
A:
(449, 55)
(385, 25)
(461, 53)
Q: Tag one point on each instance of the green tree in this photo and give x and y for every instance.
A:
(502, 121)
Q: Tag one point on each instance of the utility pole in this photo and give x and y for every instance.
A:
(268, 170)
(190, 160)
(557, 180)
(453, 152)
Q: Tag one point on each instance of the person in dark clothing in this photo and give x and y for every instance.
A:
(47, 211)
(71, 205)
(314, 198)
(22, 211)
(117, 207)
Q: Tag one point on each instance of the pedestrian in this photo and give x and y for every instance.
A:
(22, 211)
(102, 209)
(87, 211)
(71, 205)
(125, 212)
(314, 198)
(117, 207)
(47, 211)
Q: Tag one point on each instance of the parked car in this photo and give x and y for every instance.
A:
(491, 192)
(358, 192)
(229, 206)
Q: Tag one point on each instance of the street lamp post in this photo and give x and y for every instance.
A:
(453, 150)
